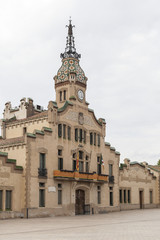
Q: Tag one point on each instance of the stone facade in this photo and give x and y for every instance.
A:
(65, 167)
(11, 188)
(137, 186)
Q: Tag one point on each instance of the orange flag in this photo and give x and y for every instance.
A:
(77, 162)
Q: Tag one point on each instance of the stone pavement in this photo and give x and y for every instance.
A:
(126, 225)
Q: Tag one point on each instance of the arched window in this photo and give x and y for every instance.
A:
(60, 96)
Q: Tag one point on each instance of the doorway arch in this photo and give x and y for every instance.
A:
(80, 202)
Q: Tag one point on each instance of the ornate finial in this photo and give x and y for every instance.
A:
(70, 50)
(70, 27)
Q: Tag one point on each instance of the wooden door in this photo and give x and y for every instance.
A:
(80, 202)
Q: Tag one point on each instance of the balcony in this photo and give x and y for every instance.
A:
(42, 172)
(79, 176)
(111, 179)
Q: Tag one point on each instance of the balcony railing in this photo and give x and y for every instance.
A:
(80, 175)
(42, 172)
(111, 179)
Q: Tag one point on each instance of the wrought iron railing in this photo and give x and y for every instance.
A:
(42, 172)
(111, 179)
(80, 175)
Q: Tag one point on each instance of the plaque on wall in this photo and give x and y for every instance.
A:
(52, 189)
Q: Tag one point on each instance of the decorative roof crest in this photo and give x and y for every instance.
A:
(70, 50)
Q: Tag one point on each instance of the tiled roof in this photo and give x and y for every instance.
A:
(65, 106)
(135, 162)
(155, 167)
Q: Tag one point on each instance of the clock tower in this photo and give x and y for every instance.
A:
(70, 81)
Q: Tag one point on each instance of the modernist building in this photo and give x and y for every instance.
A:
(138, 186)
(56, 161)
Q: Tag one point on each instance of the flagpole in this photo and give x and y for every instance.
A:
(77, 162)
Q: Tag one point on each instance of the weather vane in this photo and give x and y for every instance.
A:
(70, 27)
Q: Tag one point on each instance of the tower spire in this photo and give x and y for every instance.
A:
(70, 50)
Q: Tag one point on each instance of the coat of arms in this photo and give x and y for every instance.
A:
(81, 118)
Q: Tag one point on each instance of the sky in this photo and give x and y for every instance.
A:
(119, 43)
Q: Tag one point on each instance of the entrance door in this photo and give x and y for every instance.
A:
(141, 199)
(80, 202)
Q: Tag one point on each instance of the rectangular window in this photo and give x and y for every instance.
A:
(111, 198)
(64, 131)
(87, 167)
(99, 169)
(98, 166)
(42, 184)
(69, 133)
(99, 194)
(60, 163)
(76, 134)
(74, 165)
(1, 200)
(42, 161)
(84, 140)
(98, 140)
(59, 194)
(80, 135)
(64, 94)
(110, 170)
(59, 152)
(80, 155)
(129, 196)
(91, 138)
(124, 197)
(80, 166)
(24, 130)
(59, 130)
(41, 197)
(95, 139)
(8, 199)
(60, 96)
(120, 196)
(151, 197)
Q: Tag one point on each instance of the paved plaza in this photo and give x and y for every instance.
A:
(135, 225)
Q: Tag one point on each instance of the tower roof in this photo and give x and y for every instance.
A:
(71, 65)
(70, 61)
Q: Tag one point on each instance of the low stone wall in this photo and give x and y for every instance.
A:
(150, 206)
(126, 206)
(10, 214)
(50, 212)
(101, 210)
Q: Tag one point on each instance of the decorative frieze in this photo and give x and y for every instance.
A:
(75, 117)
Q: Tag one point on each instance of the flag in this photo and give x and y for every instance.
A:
(102, 162)
(77, 162)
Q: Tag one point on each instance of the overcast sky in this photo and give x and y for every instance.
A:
(119, 42)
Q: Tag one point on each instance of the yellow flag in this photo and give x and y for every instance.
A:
(77, 162)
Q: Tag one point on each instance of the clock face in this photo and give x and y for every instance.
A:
(80, 94)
